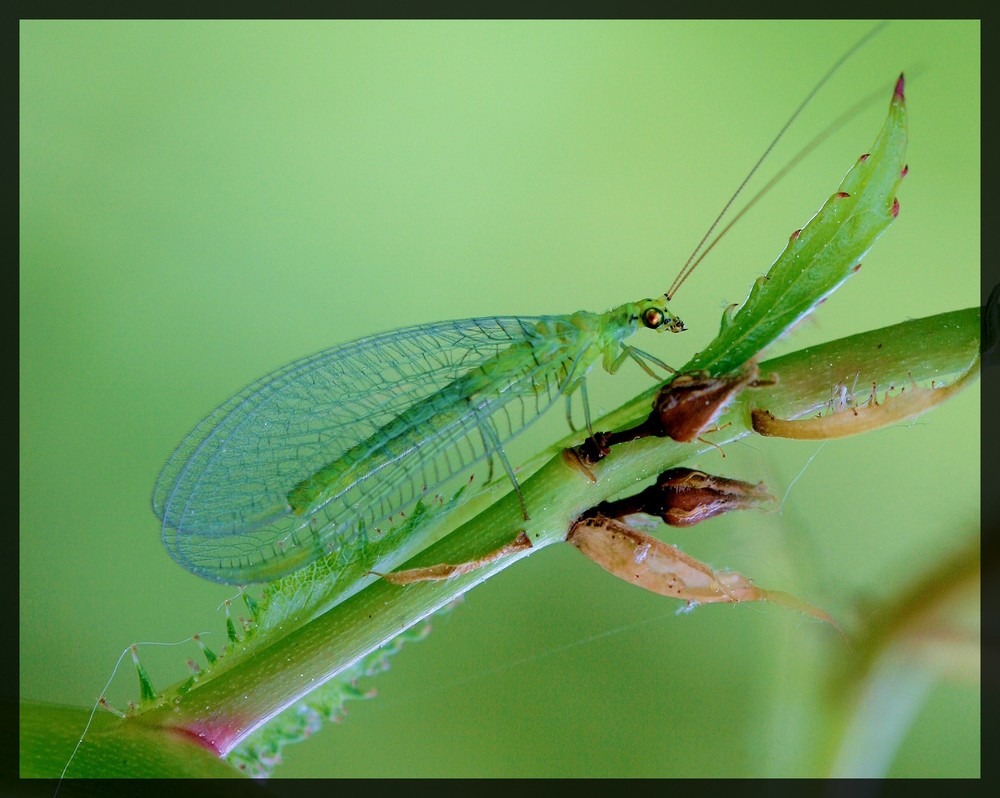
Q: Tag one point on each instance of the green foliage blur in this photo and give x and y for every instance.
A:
(203, 202)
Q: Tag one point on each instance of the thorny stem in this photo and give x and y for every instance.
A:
(221, 711)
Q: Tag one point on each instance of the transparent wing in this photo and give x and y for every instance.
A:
(388, 414)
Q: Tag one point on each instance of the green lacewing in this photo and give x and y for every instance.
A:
(297, 464)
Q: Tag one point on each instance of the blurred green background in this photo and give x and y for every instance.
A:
(202, 202)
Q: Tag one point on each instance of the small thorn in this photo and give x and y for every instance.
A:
(146, 691)
(895, 208)
(857, 267)
(864, 157)
(251, 603)
(899, 87)
(209, 654)
(904, 172)
(795, 234)
(841, 195)
(103, 702)
(230, 626)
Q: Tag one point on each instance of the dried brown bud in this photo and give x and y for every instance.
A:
(685, 497)
(682, 410)
(692, 402)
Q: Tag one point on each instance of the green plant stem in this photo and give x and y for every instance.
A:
(112, 748)
(929, 632)
(221, 711)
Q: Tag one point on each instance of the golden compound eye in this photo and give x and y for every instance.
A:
(652, 318)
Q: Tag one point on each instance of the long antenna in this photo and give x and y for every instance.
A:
(695, 257)
(828, 131)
